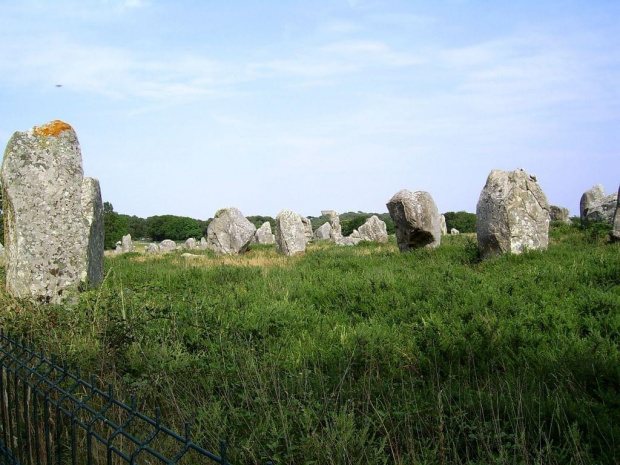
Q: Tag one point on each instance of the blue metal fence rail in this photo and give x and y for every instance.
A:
(51, 416)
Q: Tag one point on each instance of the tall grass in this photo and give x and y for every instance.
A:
(363, 354)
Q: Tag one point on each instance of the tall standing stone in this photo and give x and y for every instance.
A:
(307, 229)
(290, 233)
(444, 226)
(92, 209)
(127, 244)
(48, 231)
(512, 214)
(230, 232)
(416, 220)
(334, 221)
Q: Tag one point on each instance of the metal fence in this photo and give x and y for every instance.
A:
(51, 416)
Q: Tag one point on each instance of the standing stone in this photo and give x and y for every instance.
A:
(615, 233)
(118, 247)
(307, 228)
(334, 221)
(264, 235)
(290, 233)
(374, 230)
(152, 248)
(47, 231)
(167, 245)
(512, 214)
(127, 244)
(92, 209)
(416, 220)
(324, 231)
(559, 214)
(203, 244)
(455, 232)
(230, 232)
(190, 243)
(444, 227)
(595, 206)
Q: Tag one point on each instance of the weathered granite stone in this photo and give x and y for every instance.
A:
(230, 232)
(264, 235)
(559, 214)
(307, 228)
(203, 244)
(416, 220)
(152, 248)
(127, 244)
(355, 234)
(118, 247)
(334, 220)
(455, 232)
(190, 243)
(47, 232)
(347, 241)
(290, 233)
(444, 227)
(595, 206)
(615, 232)
(167, 245)
(323, 232)
(512, 214)
(92, 209)
(373, 230)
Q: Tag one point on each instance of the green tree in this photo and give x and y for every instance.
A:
(463, 221)
(176, 228)
(115, 226)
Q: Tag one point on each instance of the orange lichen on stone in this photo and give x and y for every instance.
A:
(52, 128)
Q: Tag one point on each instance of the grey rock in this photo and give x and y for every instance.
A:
(559, 214)
(416, 220)
(355, 234)
(264, 235)
(118, 247)
(190, 243)
(167, 245)
(334, 220)
(290, 233)
(444, 227)
(323, 232)
(347, 241)
(127, 244)
(307, 228)
(203, 244)
(92, 209)
(230, 232)
(595, 206)
(512, 214)
(189, 255)
(455, 232)
(152, 248)
(615, 232)
(47, 232)
(373, 230)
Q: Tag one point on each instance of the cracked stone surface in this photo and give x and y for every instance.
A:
(53, 216)
(290, 233)
(373, 230)
(595, 206)
(230, 232)
(512, 214)
(416, 220)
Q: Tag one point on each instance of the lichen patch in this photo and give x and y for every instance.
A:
(53, 128)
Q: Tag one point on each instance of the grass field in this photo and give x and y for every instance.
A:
(362, 354)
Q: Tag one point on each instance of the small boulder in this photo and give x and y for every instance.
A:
(455, 232)
(323, 232)
(264, 235)
(190, 243)
(230, 232)
(373, 230)
(595, 206)
(167, 245)
(290, 233)
(152, 248)
(416, 220)
(559, 214)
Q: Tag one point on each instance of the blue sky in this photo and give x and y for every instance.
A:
(186, 107)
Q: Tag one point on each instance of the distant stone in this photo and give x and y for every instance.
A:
(615, 232)
(264, 235)
(595, 206)
(47, 230)
(2, 261)
(127, 244)
(190, 243)
(347, 241)
(323, 232)
(307, 228)
(334, 221)
(152, 248)
(512, 214)
(373, 230)
(444, 227)
(559, 214)
(203, 244)
(189, 255)
(355, 234)
(92, 209)
(290, 233)
(118, 247)
(455, 232)
(230, 232)
(416, 220)
(167, 245)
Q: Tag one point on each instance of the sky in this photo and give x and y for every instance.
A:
(185, 107)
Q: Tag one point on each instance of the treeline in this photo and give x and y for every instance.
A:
(180, 228)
